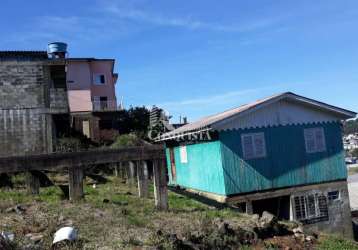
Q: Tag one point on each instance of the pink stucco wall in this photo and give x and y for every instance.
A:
(80, 100)
(80, 76)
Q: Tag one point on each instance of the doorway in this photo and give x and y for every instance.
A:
(279, 206)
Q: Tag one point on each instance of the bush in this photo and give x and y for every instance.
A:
(128, 140)
(355, 152)
(70, 144)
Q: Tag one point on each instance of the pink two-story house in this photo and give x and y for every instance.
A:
(91, 95)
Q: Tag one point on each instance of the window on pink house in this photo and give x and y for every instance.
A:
(99, 79)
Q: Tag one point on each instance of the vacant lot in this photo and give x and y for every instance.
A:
(113, 217)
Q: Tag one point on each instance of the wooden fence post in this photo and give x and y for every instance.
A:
(131, 173)
(122, 170)
(32, 183)
(142, 177)
(76, 176)
(116, 169)
(160, 184)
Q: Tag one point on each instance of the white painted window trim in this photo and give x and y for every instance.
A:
(183, 154)
(315, 134)
(317, 213)
(95, 75)
(330, 197)
(255, 150)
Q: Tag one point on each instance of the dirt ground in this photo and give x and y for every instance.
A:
(113, 217)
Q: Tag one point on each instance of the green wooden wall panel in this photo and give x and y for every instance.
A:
(286, 163)
(204, 168)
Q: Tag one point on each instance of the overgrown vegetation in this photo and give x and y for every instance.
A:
(333, 243)
(354, 152)
(134, 120)
(127, 140)
(113, 217)
(350, 127)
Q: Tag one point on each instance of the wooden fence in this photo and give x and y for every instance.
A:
(76, 164)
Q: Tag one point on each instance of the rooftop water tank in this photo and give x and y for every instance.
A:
(57, 50)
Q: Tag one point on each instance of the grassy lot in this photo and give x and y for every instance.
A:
(113, 217)
(352, 171)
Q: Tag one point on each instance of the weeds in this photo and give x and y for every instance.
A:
(111, 216)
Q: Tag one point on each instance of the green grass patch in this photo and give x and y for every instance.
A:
(14, 196)
(328, 242)
(352, 171)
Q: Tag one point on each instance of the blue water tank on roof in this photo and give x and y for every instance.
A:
(57, 49)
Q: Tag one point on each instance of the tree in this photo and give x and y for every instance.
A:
(350, 127)
(355, 152)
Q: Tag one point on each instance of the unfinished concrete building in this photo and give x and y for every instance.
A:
(33, 101)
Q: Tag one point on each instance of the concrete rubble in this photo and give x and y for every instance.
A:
(224, 234)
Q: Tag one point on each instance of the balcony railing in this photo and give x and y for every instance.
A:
(110, 105)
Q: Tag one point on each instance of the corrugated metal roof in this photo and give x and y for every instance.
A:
(208, 121)
(23, 53)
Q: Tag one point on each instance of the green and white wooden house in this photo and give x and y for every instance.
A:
(281, 141)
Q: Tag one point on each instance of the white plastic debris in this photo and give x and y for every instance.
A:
(94, 186)
(65, 233)
(8, 236)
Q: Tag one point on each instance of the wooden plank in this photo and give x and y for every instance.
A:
(75, 175)
(59, 161)
(142, 175)
(32, 183)
(160, 184)
(131, 173)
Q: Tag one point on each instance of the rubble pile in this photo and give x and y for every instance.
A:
(224, 234)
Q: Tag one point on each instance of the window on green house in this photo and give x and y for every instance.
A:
(314, 140)
(253, 145)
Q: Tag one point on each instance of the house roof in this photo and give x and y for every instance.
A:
(22, 53)
(210, 121)
(88, 59)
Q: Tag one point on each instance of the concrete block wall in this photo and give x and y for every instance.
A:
(339, 212)
(58, 100)
(23, 84)
(24, 131)
(25, 125)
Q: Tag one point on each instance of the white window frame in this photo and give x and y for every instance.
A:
(254, 152)
(310, 206)
(95, 78)
(183, 154)
(331, 197)
(312, 143)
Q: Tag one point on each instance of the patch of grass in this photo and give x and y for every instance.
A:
(328, 242)
(18, 179)
(352, 171)
(14, 196)
(111, 223)
(181, 202)
(50, 195)
(136, 220)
